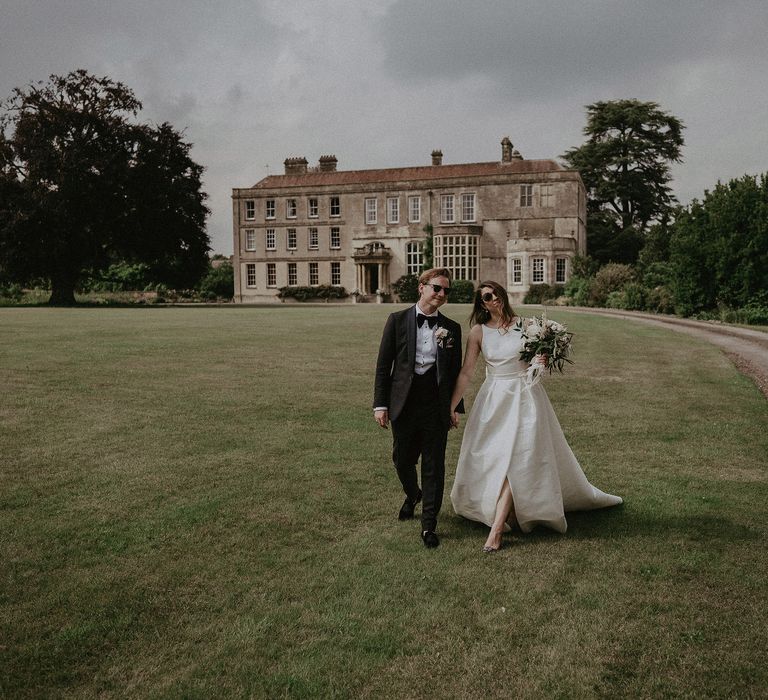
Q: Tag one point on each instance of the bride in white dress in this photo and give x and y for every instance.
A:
(515, 463)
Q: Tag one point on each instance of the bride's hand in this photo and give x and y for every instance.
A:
(454, 419)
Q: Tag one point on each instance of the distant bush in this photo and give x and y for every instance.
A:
(218, 283)
(577, 289)
(462, 292)
(609, 278)
(323, 291)
(407, 288)
(540, 293)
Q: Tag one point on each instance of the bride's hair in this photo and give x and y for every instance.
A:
(481, 315)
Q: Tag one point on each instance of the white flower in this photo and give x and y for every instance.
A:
(443, 337)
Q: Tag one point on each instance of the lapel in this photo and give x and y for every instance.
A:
(410, 330)
(439, 359)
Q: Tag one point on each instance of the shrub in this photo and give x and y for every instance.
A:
(660, 300)
(219, 282)
(323, 291)
(616, 300)
(462, 292)
(609, 278)
(540, 293)
(407, 288)
(634, 296)
(11, 292)
(577, 289)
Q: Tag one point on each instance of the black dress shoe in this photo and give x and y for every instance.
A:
(406, 512)
(431, 540)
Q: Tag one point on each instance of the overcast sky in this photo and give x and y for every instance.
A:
(381, 83)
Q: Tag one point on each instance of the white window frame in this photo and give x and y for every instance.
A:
(291, 208)
(335, 273)
(271, 274)
(314, 273)
(526, 195)
(561, 265)
(250, 209)
(517, 270)
(313, 208)
(250, 275)
(270, 239)
(468, 207)
(447, 209)
(334, 238)
(293, 275)
(269, 209)
(414, 257)
(538, 271)
(371, 210)
(313, 238)
(460, 254)
(250, 239)
(393, 210)
(291, 239)
(414, 210)
(334, 206)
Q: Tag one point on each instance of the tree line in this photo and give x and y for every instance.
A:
(92, 197)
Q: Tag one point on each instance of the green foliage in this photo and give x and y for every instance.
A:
(84, 186)
(578, 290)
(719, 247)
(325, 292)
(540, 293)
(625, 166)
(609, 278)
(219, 282)
(462, 292)
(407, 288)
(118, 277)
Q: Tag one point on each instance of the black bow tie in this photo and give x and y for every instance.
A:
(431, 320)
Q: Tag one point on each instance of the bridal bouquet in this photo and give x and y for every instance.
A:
(547, 346)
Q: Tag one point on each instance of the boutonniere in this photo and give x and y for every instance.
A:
(444, 338)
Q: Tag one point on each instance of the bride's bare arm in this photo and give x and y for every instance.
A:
(468, 368)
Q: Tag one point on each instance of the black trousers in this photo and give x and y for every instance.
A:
(422, 431)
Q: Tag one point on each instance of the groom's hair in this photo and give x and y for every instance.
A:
(434, 272)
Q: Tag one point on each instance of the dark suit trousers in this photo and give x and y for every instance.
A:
(420, 430)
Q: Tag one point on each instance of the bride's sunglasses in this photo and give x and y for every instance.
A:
(489, 296)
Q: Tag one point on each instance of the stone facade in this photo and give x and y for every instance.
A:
(516, 221)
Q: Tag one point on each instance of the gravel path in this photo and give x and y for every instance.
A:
(746, 348)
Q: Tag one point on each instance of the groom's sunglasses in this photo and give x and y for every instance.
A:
(439, 288)
(488, 296)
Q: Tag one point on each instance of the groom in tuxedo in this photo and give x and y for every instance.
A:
(419, 361)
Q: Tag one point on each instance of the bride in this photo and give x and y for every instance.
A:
(515, 463)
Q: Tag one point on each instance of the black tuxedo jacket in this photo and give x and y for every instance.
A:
(397, 358)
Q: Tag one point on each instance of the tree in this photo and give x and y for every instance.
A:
(719, 247)
(625, 166)
(83, 185)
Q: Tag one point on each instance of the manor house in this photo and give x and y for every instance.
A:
(519, 222)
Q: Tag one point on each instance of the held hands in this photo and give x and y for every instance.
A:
(382, 418)
(454, 419)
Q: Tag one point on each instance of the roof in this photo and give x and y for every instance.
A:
(425, 172)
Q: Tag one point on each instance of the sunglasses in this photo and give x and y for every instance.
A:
(439, 288)
(489, 296)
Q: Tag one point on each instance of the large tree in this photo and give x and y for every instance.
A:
(718, 249)
(83, 185)
(625, 165)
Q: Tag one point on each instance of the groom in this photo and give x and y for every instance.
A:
(419, 361)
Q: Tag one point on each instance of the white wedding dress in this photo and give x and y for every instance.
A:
(512, 432)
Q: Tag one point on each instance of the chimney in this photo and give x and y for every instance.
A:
(295, 166)
(437, 157)
(328, 164)
(508, 152)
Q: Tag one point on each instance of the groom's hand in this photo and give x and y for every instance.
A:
(382, 418)
(454, 420)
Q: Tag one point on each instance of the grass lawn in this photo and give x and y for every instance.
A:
(197, 503)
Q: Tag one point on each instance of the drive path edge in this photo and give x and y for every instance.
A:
(745, 347)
